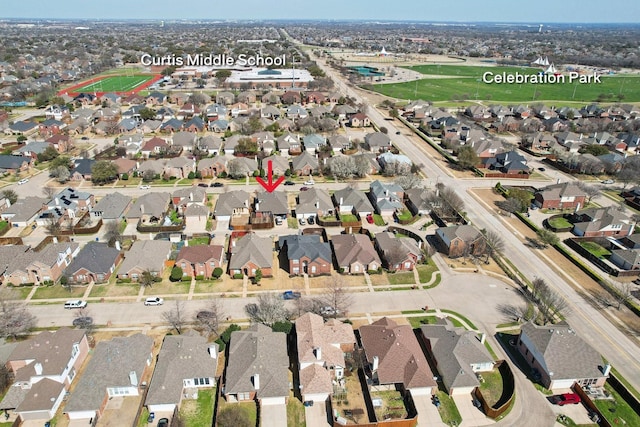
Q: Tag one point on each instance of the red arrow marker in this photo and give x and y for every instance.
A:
(270, 185)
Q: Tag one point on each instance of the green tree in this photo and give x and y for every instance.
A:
(523, 196)
(217, 272)
(21, 138)
(60, 161)
(176, 274)
(258, 276)
(10, 195)
(247, 146)
(146, 279)
(547, 237)
(147, 113)
(467, 157)
(168, 71)
(103, 171)
(595, 149)
(223, 75)
(49, 153)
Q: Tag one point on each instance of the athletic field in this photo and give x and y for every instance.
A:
(464, 83)
(119, 84)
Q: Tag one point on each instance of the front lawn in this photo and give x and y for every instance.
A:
(425, 272)
(403, 278)
(448, 409)
(199, 413)
(378, 220)
(59, 291)
(244, 410)
(417, 322)
(348, 218)
(404, 215)
(295, 413)
(559, 223)
(4, 226)
(595, 249)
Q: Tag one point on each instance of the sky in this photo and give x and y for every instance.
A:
(532, 11)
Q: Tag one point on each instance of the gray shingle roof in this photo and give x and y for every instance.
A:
(258, 350)
(350, 248)
(146, 255)
(110, 366)
(252, 248)
(231, 200)
(310, 246)
(96, 257)
(113, 205)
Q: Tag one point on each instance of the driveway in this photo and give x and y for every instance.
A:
(273, 415)
(428, 414)
(578, 413)
(471, 416)
(316, 415)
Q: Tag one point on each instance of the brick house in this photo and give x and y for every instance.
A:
(200, 260)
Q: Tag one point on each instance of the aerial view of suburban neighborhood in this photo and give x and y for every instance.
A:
(322, 215)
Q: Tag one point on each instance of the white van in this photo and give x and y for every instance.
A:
(75, 304)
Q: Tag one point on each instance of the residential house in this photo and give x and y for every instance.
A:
(419, 201)
(24, 211)
(274, 202)
(155, 168)
(43, 368)
(250, 253)
(231, 143)
(243, 166)
(257, 366)
(144, 255)
(305, 164)
(231, 203)
(126, 167)
(149, 208)
(218, 126)
(510, 163)
(81, 169)
(20, 127)
(288, 144)
(601, 222)
(377, 142)
(321, 354)
(211, 167)
(56, 112)
(187, 111)
(566, 195)
(196, 217)
(156, 98)
(116, 369)
(172, 126)
(270, 112)
(372, 162)
(46, 265)
(349, 200)
(15, 164)
(127, 125)
(239, 109)
(386, 197)
(95, 262)
(279, 164)
(179, 167)
(215, 111)
(458, 354)
(313, 142)
(150, 126)
(174, 380)
(359, 120)
(343, 111)
(291, 97)
(355, 254)
(185, 196)
(339, 143)
(626, 259)
(561, 357)
(31, 149)
(314, 202)
(225, 98)
(211, 144)
(306, 254)
(398, 254)
(184, 139)
(68, 204)
(131, 143)
(460, 240)
(296, 112)
(62, 143)
(395, 359)
(200, 260)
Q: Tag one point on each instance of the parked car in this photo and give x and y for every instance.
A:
(565, 399)
(163, 422)
(302, 221)
(151, 417)
(310, 220)
(202, 184)
(23, 181)
(309, 182)
(291, 295)
(329, 311)
(75, 304)
(370, 218)
(541, 169)
(82, 322)
(145, 187)
(217, 184)
(154, 301)
(436, 401)
(279, 220)
(608, 181)
(397, 132)
(304, 188)
(289, 183)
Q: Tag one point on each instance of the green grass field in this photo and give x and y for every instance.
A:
(457, 82)
(116, 83)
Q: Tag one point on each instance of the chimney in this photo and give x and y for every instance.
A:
(257, 206)
(57, 202)
(191, 196)
(38, 368)
(606, 369)
(375, 363)
(317, 204)
(118, 245)
(341, 201)
(133, 378)
(483, 338)
(213, 351)
(256, 381)
(318, 352)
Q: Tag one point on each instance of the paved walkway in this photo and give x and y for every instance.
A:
(307, 285)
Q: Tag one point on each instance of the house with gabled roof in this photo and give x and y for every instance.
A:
(24, 211)
(377, 142)
(313, 142)
(314, 202)
(200, 260)
(322, 347)
(386, 197)
(460, 240)
(288, 143)
(95, 262)
(395, 359)
(13, 164)
(179, 167)
(458, 354)
(185, 196)
(116, 369)
(305, 164)
(174, 380)
(350, 200)
(279, 164)
(149, 208)
(306, 254)
(231, 203)
(419, 200)
(274, 202)
(601, 222)
(561, 357)
(355, 253)
(144, 255)
(172, 125)
(250, 253)
(45, 265)
(184, 139)
(225, 98)
(154, 146)
(43, 368)
(565, 195)
(511, 163)
(257, 366)
(156, 98)
(397, 254)
(211, 144)
(210, 167)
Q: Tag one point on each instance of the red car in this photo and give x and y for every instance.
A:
(565, 399)
(370, 218)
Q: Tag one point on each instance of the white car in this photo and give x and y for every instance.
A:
(145, 187)
(23, 181)
(154, 301)
(75, 304)
(310, 182)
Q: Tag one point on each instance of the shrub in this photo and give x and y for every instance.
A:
(186, 279)
(176, 274)
(191, 175)
(284, 326)
(124, 177)
(200, 277)
(222, 175)
(217, 272)
(127, 280)
(238, 276)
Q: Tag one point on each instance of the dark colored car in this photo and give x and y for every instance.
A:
(565, 399)
(217, 184)
(151, 417)
(202, 184)
(289, 183)
(163, 422)
(82, 322)
(436, 401)
(304, 188)
(541, 169)
(291, 295)
(204, 315)
(310, 220)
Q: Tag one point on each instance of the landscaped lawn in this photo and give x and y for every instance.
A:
(115, 290)
(425, 272)
(404, 215)
(292, 223)
(401, 278)
(617, 410)
(492, 386)
(295, 413)
(58, 291)
(348, 218)
(559, 222)
(378, 220)
(595, 249)
(416, 322)
(4, 225)
(199, 413)
(198, 241)
(392, 405)
(20, 292)
(166, 287)
(248, 409)
(448, 409)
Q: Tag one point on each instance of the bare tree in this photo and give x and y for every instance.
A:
(494, 244)
(547, 237)
(84, 320)
(176, 317)
(408, 181)
(623, 293)
(591, 191)
(49, 192)
(268, 310)
(550, 302)
(15, 318)
(336, 299)
(112, 233)
(517, 312)
(210, 318)
(146, 279)
(342, 167)
(53, 226)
